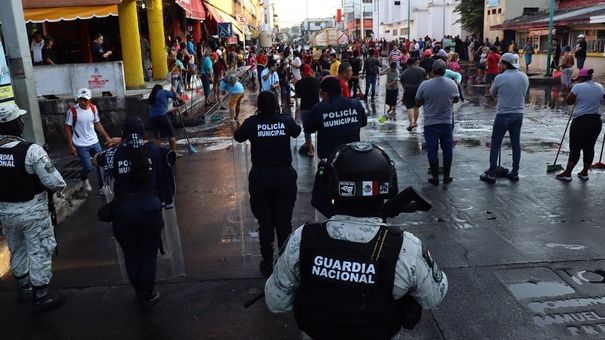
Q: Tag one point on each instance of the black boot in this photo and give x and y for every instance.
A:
(266, 267)
(147, 300)
(434, 164)
(447, 166)
(44, 301)
(24, 287)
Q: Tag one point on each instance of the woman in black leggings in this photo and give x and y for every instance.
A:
(586, 125)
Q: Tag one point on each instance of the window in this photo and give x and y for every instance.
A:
(387, 31)
(367, 1)
(499, 10)
(397, 3)
(368, 15)
(404, 31)
(530, 10)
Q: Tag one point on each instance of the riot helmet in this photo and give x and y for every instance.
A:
(362, 176)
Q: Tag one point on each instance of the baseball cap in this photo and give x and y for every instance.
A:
(307, 71)
(510, 58)
(580, 36)
(84, 93)
(9, 112)
(214, 55)
(582, 73)
(439, 65)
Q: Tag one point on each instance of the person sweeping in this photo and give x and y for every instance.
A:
(586, 125)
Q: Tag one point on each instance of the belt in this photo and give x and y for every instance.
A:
(128, 196)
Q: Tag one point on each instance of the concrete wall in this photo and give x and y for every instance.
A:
(510, 9)
(68, 78)
(112, 111)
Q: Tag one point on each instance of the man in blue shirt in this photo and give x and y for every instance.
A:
(269, 79)
(205, 76)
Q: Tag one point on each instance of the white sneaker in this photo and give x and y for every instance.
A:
(86, 185)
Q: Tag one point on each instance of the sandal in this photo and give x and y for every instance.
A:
(410, 127)
(179, 155)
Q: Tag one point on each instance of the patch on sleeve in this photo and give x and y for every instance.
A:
(48, 165)
(435, 270)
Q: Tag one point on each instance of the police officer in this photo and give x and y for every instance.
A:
(352, 277)
(337, 121)
(25, 172)
(272, 179)
(138, 221)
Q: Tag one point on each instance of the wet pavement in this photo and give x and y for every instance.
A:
(524, 259)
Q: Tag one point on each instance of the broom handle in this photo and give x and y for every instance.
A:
(602, 145)
(564, 132)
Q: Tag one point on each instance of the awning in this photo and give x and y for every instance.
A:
(55, 14)
(563, 17)
(214, 16)
(193, 9)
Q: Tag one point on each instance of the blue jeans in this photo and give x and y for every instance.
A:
(510, 122)
(439, 134)
(580, 61)
(146, 69)
(370, 80)
(176, 83)
(85, 153)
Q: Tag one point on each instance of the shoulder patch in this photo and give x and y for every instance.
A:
(436, 271)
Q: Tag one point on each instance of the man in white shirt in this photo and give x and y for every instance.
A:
(80, 125)
(36, 48)
(296, 63)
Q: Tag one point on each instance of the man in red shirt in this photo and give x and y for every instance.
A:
(345, 71)
(261, 64)
(492, 69)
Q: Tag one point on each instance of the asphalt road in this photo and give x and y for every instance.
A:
(525, 260)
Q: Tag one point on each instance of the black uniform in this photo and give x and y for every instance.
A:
(272, 179)
(337, 121)
(138, 218)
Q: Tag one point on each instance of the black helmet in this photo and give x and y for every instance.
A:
(360, 171)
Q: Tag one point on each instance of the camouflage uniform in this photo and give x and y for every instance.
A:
(426, 284)
(27, 225)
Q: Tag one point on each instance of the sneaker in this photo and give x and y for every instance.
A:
(563, 177)
(266, 267)
(44, 301)
(512, 177)
(487, 178)
(169, 206)
(583, 177)
(147, 300)
(86, 185)
(105, 190)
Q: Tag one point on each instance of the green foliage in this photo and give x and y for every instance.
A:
(471, 15)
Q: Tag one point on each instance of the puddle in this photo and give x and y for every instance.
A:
(539, 289)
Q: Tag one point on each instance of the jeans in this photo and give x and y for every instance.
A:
(510, 122)
(353, 85)
(146, 69)
(370, 80)
(437, 134)
(176, 83)
(581, 61)
(85, 153)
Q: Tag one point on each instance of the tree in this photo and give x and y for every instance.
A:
(471, 15)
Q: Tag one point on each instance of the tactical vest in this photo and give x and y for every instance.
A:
(346, 289)
(16, 185)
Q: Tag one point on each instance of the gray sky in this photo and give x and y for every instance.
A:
(293, 12)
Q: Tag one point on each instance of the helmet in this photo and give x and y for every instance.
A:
(361, 171)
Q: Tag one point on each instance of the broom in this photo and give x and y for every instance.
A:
(554, 166)
(500, 170)
(599, 164)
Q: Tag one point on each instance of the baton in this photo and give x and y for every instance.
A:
(254, 299)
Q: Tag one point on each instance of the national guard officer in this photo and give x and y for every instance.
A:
(352, 277)
(272, 179)
(25, 173)
(337, 121)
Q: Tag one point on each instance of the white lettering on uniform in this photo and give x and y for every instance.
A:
(271, 130)
(348, 271)
(7, 161)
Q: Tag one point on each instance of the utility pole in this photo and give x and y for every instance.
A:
(363, 34)
(409, 26)
(548, 55)
(21, 68)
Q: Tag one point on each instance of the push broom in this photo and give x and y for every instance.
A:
(599, 164)
(554, 166)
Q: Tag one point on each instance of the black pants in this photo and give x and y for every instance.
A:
(137, 227)
(583, 135)
(272, 196)
(353, 85)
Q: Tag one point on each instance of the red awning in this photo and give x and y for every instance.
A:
(193, 9)
(212, 18)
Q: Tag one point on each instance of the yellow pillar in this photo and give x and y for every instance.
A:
(131, 44)
(155, 23)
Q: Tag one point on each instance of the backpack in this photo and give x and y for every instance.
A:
(74, 117)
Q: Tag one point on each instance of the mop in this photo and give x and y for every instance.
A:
(191, 148)
(554, 166)
(599, 164)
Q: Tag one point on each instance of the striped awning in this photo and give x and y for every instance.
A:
(38, 15)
